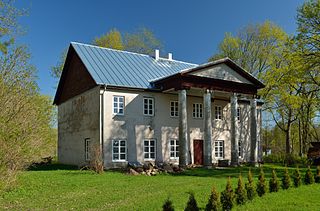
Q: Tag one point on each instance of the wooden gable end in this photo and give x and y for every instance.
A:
(75, 78)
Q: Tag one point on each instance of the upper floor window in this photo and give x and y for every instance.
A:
(87, 149)
(219, 149)
(149, 149)
(118, 105)
(174, 108)
(174, 149)
(238, 114)
(197, 110)
(119, 150)
(218, 112)
(148, 106)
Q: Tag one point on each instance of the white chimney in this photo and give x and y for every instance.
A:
(170, 56)
(156, 54)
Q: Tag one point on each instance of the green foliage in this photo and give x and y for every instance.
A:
(297, 180)
(111, 39)
(317, 177)
(308, 178)
(261, 186)
(227, 196)
(250, 188)
(168, 205)
(289, 160)
(274, 182)
(241, 194)
(214, 200)
(56, 70)
(285, 181)
(192, 203)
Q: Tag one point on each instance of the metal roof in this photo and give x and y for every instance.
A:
(122, 68)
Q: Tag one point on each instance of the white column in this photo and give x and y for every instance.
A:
(207, 129)
(234, 131)
(183, 129)
(253, 132)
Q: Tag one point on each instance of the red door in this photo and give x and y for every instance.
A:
(198, 152)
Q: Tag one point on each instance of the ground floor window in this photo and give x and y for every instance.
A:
(87, 149)
(219, 149)
(174, 149)
(119, 150)
(149, 149)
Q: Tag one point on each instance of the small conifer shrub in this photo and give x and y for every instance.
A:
(274, 182)
(241, 193)
(261, 186)
(192, 203)
(214, 200)
(297, 180)
(250, 188)
(317, 177)
(168, 205)
(227, 196)
(285, 182)
(308, 179)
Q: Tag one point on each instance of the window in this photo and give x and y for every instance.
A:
(149, 149)
(238, 113)
(119, 150)
(240, 148)
(218, 112)
(197, 110)
(174, 149)
(174, 108)
(118, 105)
(87, 149)
(219, 149)
(148, 106)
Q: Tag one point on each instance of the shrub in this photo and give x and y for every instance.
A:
(309, 179)
(241, 194)
(227, 196)
(274, 182)
(317, 177)
(251, 191)
(192, 203)
(213, 202)
(297, 181)
(285, 179)
(286, 159)
(168, 206)
(261, 186)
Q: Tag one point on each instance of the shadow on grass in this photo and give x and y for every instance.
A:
(51, 167)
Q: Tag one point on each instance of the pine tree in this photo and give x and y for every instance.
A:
(317, 177)
(261, 186)
(192, 203)
(297, 181)
(227, 196)
(214, 200)
(274, 182)
(168, 206)
(285, 180)
(241, 194)
(250, 188)
(309, 179)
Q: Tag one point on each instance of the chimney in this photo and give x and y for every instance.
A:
(156, 54)
(170, 56)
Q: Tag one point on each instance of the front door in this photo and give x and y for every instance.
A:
(198, 151)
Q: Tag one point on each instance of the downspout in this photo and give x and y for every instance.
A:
(102, 122)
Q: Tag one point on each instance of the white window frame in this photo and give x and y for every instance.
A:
(174, 109)
(150, 101)
(87, 149)
(175, 146)
(197, 110)
(119, 147)
(217, 112)
(238, 113)
(149, 149)
(116, 109)
(219, 149)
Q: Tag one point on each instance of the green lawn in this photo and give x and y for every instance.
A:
(57, 188)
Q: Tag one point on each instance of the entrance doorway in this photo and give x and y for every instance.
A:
(198, 151)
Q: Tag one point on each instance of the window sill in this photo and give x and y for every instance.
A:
(119, 161)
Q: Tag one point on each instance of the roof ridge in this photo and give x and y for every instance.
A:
(124, 51)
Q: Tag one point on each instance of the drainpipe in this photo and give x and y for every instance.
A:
(102, 122)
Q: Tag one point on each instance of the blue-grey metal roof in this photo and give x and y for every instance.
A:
(122, 68)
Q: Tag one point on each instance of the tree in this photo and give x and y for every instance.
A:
(168, 205)
(261, 186)
(317, 177)
(286, 181)
(192, 203)
(241, 195)
(214, 200)
(227, 196)
(308, 178)
(297, 181)
(274, 182)
(250, 188)
(111, 39)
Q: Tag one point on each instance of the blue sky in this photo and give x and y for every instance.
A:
(191, 30)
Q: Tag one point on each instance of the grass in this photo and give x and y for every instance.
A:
(59, 187)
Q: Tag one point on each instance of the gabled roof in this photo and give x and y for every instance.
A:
(121, 68)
